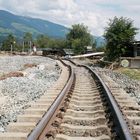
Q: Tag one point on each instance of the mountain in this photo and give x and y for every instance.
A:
(100, 41)
(18, 25)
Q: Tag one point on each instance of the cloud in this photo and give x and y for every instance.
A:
(57, 4)
(93, 13)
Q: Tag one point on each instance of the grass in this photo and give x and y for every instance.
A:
(132, 73)
(5, 30)
(24, 28)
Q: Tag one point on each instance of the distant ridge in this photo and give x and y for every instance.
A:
(18, 25)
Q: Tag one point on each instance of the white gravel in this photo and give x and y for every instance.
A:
(132, 87)
(17, 92)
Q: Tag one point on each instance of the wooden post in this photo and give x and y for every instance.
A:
(11, 48)
(23, 47)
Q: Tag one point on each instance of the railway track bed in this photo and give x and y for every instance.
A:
(26, 122)
(85, 116)
(90, 108)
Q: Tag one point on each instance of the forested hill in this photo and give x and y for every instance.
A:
(18, 25)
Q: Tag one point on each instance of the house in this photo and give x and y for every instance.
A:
(132, 55)
(136, 48)
(89, 49)
(53, 51)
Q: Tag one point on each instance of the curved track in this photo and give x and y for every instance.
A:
(85, 116)
(30, 120)
(78, 107)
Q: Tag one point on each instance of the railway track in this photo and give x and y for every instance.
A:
(128, 106)
(85, 116)
(128, 111)
(78, 107)
(30, 120)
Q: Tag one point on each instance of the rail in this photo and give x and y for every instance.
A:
(47, 118)
(123, 130)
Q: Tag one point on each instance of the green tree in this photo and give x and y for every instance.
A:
(27, 37)
(57, 43)
(42, 41)
(78, 38)
(94, 44)
(119, 35)
(27, 40)
(101, 49)
(10, 40)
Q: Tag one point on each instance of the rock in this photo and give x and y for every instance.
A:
(132, 87)
(1, 129)
(20, 91)
(41, 67)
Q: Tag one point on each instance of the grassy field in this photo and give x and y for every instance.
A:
(132, 73)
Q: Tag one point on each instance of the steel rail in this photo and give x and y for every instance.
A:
(35, 134)
(123, 130)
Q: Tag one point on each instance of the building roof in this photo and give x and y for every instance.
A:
(68, 51)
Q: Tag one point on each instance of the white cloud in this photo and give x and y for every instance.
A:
(57, 4)
(93, 13)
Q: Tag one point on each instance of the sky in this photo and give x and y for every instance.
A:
(93, 13)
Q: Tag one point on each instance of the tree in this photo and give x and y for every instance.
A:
(46, 42)
(94, 44)
(119, 35)
(42, 41)
(27, 40)
(101, 48)
(78, 38)
(10, 40)
(27, 37)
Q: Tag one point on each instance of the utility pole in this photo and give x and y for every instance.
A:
(11, 48)
(23, 47)
(14, 45)
(30, 46)
(0, 46)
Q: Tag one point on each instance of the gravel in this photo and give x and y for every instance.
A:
(17, 92)
(132, 87)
